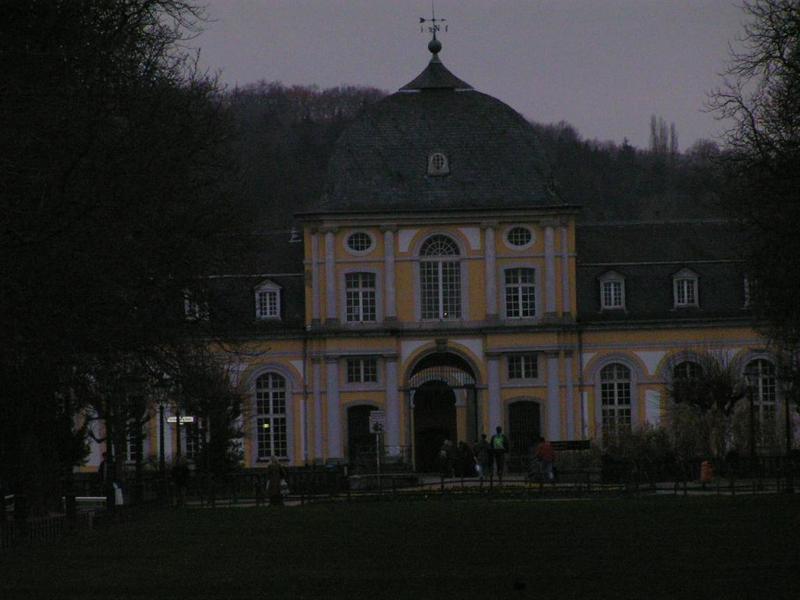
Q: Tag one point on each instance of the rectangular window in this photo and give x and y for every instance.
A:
(441, 289)
(523, 366)
(267, 304)
(360, 297)
(612, 294)
(271, 437)
(270, 405)
(520, 293)
(191, 440)
(362, 370)
(194, 309)
(685, 292)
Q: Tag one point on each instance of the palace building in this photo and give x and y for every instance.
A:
(441, 288)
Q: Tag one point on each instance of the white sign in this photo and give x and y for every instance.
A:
(183, 420)
(377, 421)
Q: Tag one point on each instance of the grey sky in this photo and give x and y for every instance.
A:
(603, 65)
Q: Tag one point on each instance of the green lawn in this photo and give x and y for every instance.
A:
(720, 548)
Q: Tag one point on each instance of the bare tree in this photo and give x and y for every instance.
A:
(760, 98)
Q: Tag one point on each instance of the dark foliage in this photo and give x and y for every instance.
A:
(117, 193)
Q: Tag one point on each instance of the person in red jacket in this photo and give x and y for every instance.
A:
(546, 457)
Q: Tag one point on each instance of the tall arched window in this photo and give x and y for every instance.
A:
(270, 405)
(440, 278)
(615, 396)
(687, 370)
(685, 382)
(760, 376)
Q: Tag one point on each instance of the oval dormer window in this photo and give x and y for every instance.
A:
(438, 164)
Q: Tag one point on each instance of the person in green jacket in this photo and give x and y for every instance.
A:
(499, 444)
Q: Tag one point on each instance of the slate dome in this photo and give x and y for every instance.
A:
(381, 161)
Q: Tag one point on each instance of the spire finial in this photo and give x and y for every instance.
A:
(434, 26)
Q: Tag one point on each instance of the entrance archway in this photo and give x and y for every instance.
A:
(443, 406)
(434, 422)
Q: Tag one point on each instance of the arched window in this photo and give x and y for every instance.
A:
(270, 405)
(686, 376)
(615, 397)
(440, 278)
(760, 375)
(687, 371)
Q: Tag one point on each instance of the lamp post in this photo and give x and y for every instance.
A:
(788, 397)
(752, 421)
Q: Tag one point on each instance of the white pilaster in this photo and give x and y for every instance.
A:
(388, 278)
(392, 408)
(566, 302)
(495, 406)
(571, 432)
(334, 421)
(316, 375)
(553, 401)
(549, 270)
(315, 291)
(330, 277)
(491, 274)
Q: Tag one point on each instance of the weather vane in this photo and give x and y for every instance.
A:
(435, 24)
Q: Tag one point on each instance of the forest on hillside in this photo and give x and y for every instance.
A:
(286, 135)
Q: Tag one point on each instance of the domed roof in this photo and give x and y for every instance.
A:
(493, 158)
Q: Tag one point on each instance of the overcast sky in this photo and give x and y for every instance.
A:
(602, 65)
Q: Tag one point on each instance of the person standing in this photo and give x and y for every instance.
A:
(499, 446)
(276, 476)
(483, 456)
(546, 457)
(180, 476)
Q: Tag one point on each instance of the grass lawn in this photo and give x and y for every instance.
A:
(720, 548)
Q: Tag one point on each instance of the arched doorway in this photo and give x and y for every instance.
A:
(524, 426)
(434, 422)
(444, 406)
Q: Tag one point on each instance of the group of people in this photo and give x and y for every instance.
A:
(487, 458)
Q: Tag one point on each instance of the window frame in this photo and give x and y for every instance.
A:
(353, 251)
(515, 247)
(525, 372)
(268, 287)
(763, 385)
(361, 366)
(612, 411)
(443, 169)
(520, 288)
(194, 308)
(281, 440)
(361, 291)
(612, 277)
(441, 262)
(681, 279)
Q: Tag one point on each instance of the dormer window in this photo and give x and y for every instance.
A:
(684, 287)
(194, 309)
(612, 291)
(268, 301)
(438, 164)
